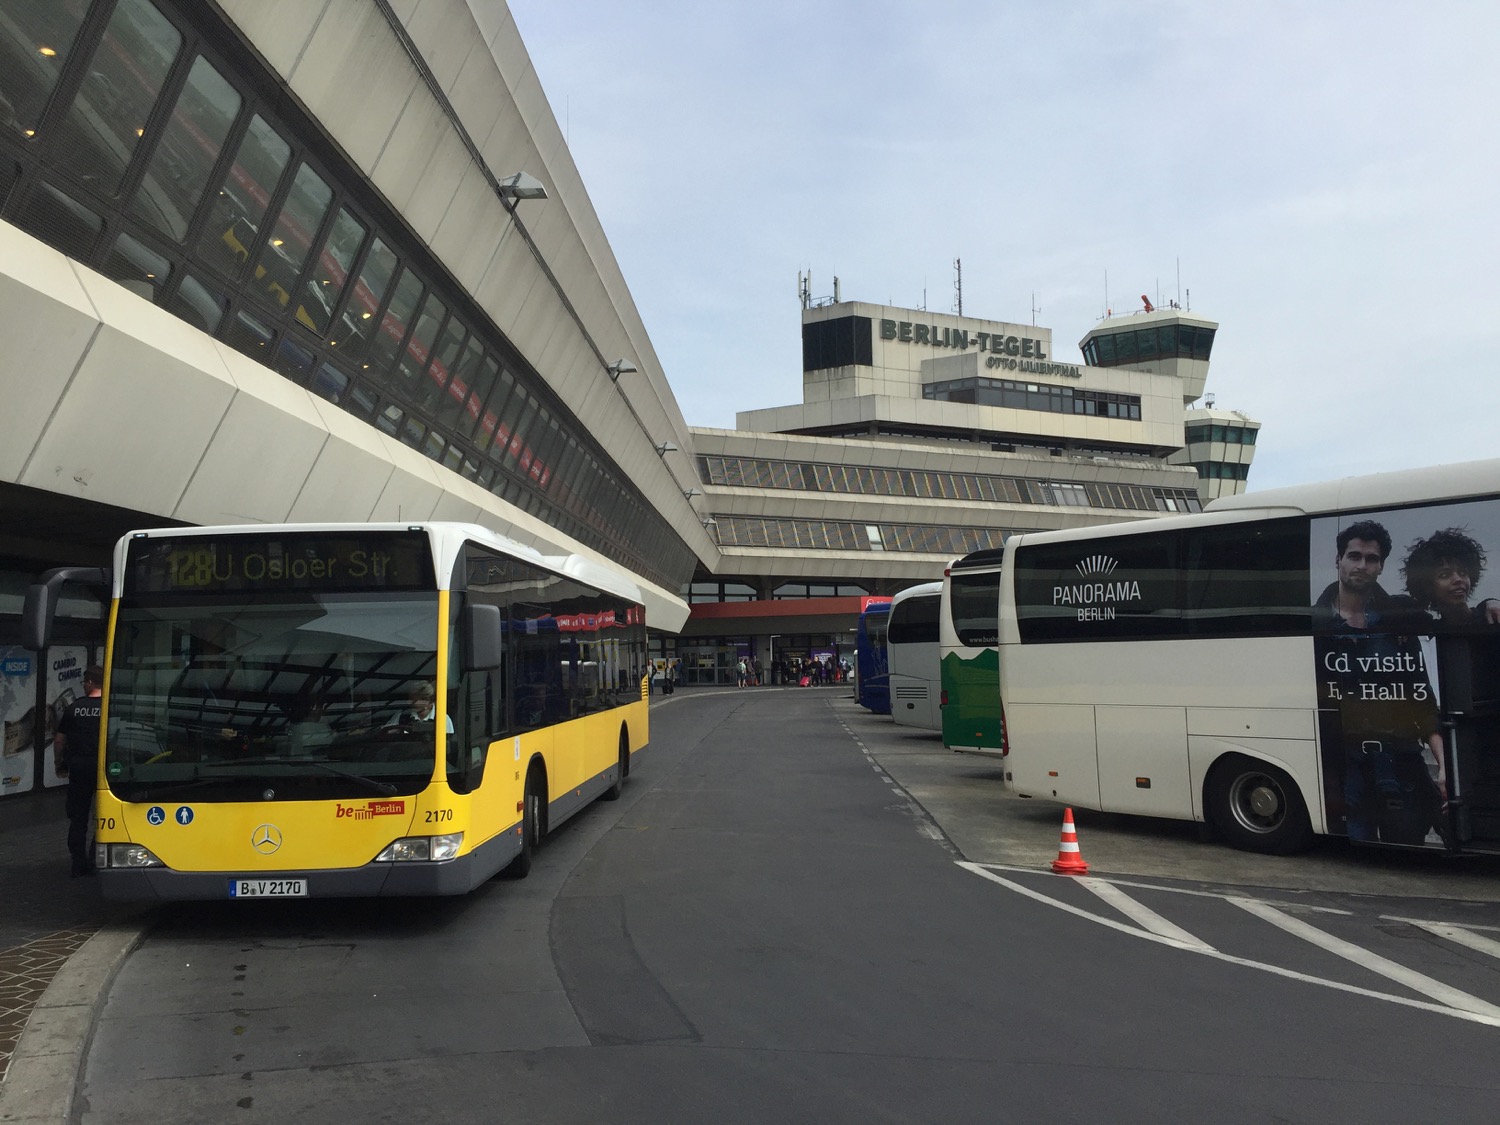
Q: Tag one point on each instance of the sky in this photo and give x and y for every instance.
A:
(1321, 178)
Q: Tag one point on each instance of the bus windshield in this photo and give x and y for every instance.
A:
(257, 697)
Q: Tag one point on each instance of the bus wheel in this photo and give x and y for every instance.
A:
(531, 828)
(1256, 807)
(614, 791)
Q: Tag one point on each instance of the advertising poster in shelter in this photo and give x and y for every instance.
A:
(1392, 592)
(65, 667)
(63, 683)
(18, 668)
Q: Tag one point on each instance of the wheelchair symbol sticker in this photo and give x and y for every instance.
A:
(184, 815)
(155, 815)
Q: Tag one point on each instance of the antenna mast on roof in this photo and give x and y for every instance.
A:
(958, 285)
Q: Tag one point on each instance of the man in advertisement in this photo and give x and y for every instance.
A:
(1377, 698)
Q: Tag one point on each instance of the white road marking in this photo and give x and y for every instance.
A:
(1275, 970)
(1417, 982)
(1183, 891)
(1461, 935)
(1471, 926)
(1144, 915)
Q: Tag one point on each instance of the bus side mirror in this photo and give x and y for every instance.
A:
(40, 607)
(36, 617)
(480, 648)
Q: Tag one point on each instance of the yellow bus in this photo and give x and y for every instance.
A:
(352, 710)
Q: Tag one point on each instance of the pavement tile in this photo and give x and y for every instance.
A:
(45, 916)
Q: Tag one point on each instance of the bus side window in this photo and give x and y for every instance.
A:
(468, 745)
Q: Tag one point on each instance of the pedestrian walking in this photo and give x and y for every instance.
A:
(76, 745)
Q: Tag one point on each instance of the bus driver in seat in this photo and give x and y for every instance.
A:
(420, 709)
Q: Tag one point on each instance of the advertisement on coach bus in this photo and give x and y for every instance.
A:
(1406, 621)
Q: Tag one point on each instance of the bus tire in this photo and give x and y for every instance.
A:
(614, 791)
(533, 825)
(1256, 807)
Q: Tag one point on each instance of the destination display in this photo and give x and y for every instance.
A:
(298, 562)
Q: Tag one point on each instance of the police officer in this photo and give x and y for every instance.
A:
(77, 747)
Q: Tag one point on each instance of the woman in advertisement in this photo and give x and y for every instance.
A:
(1441, 572)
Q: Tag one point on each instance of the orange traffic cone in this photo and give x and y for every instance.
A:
(1069, 859)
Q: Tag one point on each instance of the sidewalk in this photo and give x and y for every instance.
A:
(45, 916)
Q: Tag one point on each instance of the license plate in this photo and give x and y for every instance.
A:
(268, 888)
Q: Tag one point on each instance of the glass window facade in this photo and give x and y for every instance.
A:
(846, 341)
(1142, 345)
(792, 590)
(749, 472)
(1218, 470)
(1230, 435)
(143, 139)
(840, 535)
(1047, 397)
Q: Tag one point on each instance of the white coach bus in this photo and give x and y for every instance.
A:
(915, 662)
(1318, 659)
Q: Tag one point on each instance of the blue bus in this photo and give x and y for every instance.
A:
(872, 673)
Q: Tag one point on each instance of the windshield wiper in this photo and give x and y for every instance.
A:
(157, 790)
(384, 788)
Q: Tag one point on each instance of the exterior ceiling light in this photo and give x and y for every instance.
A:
(519, 186)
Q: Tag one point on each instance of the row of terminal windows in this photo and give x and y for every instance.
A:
(1160, 341)
(129, 143)
(991, 440)
(1035, 396)
(843, 535)
(1231, 435)
(707, 591)
(750, 472)
(1218, 470)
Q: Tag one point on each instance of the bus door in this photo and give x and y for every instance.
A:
(1469, 669)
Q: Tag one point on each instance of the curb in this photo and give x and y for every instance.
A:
(47, 1064)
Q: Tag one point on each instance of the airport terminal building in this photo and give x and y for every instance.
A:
(331, 260)
(923, 436)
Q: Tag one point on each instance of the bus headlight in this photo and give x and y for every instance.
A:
(421, 848)
(124, 855)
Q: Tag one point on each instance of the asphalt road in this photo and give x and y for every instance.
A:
(771, 927)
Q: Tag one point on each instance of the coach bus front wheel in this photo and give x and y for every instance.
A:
(1256, 807)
